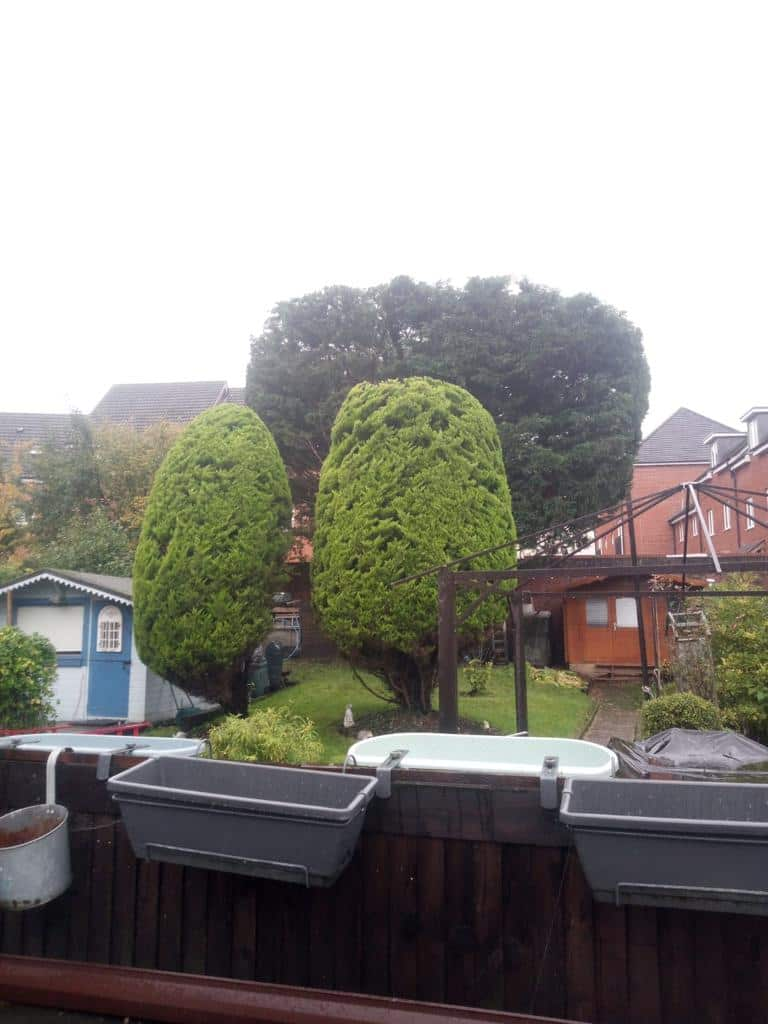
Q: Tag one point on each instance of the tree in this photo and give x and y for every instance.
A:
(27, 672)
(564, 378)
(89, 542)
(105, 466)
(210, 554)
(414, 478)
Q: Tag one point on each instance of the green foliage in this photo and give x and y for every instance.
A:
(739, 639)
(477, 675)
(267, 734)
(89, 543)
(414, 478)
(27, 672)
(564, 378)
(211, 552)
(85, 509)
(683, 710)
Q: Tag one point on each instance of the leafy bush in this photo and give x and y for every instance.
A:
(27, 672)
(477, 674)
(739, 639)
(211, 554)
(414, 478)
(267, 734)
(682, 710)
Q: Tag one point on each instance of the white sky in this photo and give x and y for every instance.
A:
(170, 170)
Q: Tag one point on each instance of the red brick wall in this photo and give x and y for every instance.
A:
(752, 476)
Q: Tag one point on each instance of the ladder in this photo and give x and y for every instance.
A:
(688, 626)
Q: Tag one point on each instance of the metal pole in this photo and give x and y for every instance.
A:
(705, 529)
(521, 683)
(636, 587)
(447, 653)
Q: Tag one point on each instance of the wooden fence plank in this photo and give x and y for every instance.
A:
(518, 915)
(377, 868)
(349, 927)
(147, 912)
(676, 963)
(612, 991)
(244, 928)
(125, 876)
(548, 870)
(102, 888)
(710, 993)
(195, 934)
(269, 930)
(218, 959)
(81, 853)
(579, 931)
(170, 920)
(643, 966)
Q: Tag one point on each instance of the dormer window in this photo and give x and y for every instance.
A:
(752, 433)
(713, 454)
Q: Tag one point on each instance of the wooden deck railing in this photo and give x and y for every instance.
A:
(463, 891)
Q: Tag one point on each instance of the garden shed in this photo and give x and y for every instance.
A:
(88, 618)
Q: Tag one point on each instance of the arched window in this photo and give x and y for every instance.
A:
(110, 629)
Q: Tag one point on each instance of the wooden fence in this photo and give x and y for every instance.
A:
(462, 891)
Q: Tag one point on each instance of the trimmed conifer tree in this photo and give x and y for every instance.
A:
(414, 478)
(211, 554)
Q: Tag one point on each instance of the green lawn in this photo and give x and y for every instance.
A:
(322, 691)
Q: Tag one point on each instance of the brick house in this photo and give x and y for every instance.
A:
(738, 470)
(675, 452)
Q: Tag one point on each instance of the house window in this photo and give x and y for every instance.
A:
(626, 613)
(597, 611)
(752, 433)
(695, 526)
(750, 514)
(110, 629)
(711, 521)
(620, 541)
(714, 453)
(726, 518)
(681, 532)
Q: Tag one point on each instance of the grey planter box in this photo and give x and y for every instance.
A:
(697, 845)
(290, 824)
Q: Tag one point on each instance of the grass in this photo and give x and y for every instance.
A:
(322, 691)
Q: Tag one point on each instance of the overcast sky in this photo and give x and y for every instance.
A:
(170, 170)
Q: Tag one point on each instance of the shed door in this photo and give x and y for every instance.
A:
(110, 660)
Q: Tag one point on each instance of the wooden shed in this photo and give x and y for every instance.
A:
(601, 629)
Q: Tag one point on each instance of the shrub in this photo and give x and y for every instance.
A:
(477, 674)
(414, 478)
(739, 628)
(268, 734)
(682, 710)
(211, 553)
(27, 672)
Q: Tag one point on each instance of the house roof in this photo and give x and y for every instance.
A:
(235, 395)
(143, 405)
(114, 588)
(679, 439)
(33, 428)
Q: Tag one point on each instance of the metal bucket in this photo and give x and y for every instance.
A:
(34, 850)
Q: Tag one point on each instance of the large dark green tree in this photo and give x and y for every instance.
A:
(414, 478)
(565, 379)
(211, 554)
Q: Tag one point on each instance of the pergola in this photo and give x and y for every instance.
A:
(573, 565)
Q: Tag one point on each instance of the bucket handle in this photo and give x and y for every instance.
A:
(50, 774)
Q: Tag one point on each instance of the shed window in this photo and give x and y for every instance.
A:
(597, 611)
(61, 624)
(626, 613)
(110, 635)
